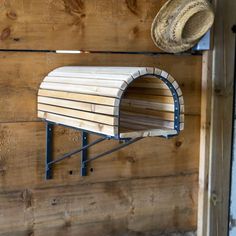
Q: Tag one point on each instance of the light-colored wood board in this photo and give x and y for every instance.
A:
(19, 84)
(105, 25)
(151, 98)
(126, 126)
(204, 160)
(145, 120)
(124, 206)
(150, 91)
(158, 114)
(91, 82)
(161, 115)
(133, 103)
(127, 73)
(79, 97)
(147, 158)
(223, 62)
(149, 79)
(79, 105)
(98, 118)
(76, 88)
(149, 133)
(147, 104)
(79, 123)
(149, 85)
(86, 73)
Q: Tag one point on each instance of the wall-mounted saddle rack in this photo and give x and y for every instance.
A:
(122, 103)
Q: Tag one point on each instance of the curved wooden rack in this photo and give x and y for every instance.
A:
(120, 102)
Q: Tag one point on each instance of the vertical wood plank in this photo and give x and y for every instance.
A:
(215, 202)
(204, 143)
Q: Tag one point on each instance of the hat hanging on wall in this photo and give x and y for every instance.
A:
(181, 23)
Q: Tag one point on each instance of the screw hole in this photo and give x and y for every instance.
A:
(91, 169)
(71, 172)
(54, 202)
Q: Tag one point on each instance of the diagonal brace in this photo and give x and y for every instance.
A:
(69, 154)
(112, 150)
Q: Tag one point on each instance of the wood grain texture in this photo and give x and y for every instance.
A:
(19, 83)
(204, 157)
(147, 189)
(121, 82)
(23, 146)
(104, 25)
(223, 60)
(118, 208)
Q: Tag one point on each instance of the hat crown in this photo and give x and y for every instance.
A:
(180, 23)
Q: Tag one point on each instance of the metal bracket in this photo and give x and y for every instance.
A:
(84, 150)
(84, 155)
(49, 148)
(126, 143)
(204, 43)
(176, 103)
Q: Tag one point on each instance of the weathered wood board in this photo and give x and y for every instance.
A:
(149, 188)
(19, 83)
(117, 208)
(23, 148)
(103, 25)
(23, 144)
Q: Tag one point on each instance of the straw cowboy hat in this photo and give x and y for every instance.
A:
(181, 23)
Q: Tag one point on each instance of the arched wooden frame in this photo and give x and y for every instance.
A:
(93, 98)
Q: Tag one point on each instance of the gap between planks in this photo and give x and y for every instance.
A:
(101, 52)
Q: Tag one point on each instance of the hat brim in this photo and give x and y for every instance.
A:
(160, 29)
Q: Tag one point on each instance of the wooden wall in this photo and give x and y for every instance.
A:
(149, 188)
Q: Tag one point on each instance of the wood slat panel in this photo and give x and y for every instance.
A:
(148, 121)
(79, 123)
(162, 132)
(78, 84)
(103, 73)
(103, 91)
(91, 82)
(19, 83)
(96, 70)
(102, 208)
(147, 104)
(104, 119)
(80, 97)
(151, 98)
(150, 112)
(76, 25)
(150, 91)
(149, 85)
(109, 110)
(126, 126)
(126, 74)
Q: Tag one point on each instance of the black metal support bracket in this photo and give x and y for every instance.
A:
(84, 150)
(84, 155)
(49, 149)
